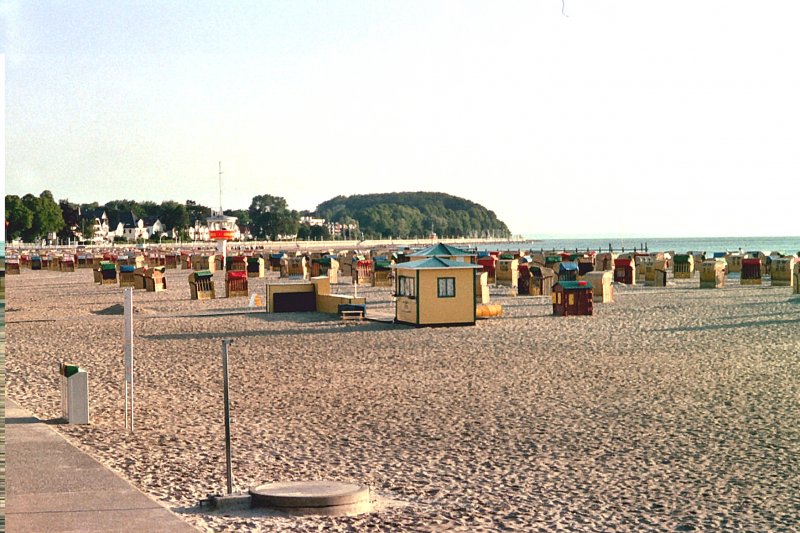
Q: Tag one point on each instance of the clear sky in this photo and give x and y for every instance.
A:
(634, 117)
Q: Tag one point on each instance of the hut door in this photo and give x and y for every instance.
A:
(295, 302)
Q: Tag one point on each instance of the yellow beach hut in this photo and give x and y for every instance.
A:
(435, 292)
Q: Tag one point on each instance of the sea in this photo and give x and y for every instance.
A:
(784, 245)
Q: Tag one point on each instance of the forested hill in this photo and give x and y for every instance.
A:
(413, 214)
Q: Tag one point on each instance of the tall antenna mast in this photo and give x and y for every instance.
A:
(220, 188)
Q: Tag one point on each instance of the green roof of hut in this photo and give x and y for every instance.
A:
(436, 262)
(442, 249)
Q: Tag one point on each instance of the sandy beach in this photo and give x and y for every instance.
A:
(671, 409)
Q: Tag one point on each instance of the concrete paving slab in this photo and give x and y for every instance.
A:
(53, 486)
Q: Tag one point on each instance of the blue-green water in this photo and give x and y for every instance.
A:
(787, 245)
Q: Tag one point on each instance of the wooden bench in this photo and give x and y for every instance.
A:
(352, 315)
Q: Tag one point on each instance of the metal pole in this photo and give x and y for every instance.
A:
(228, 469)
(128, 357)
(220, 188)
(126, 404)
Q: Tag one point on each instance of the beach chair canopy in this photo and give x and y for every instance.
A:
(568, 267)
(573, 285)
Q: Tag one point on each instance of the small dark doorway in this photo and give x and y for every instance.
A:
(294, 302)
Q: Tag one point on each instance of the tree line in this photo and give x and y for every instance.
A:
(414, 214)
(32, 218)
(400, 215)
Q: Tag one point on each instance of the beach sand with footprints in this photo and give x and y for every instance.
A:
(671, 409)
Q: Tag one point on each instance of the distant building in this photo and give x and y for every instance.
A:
(198, 232)
(154, 226)
(101, 229)
(133, 228)
(311, 221)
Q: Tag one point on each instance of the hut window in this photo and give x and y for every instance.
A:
(571, 299)
(406, 286)
(447, 287)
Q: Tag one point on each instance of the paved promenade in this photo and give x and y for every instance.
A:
(53, 486)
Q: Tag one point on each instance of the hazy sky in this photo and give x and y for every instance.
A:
(676, 118)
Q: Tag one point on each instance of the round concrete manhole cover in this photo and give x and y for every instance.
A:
(309, 494)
